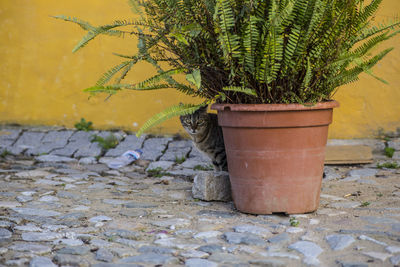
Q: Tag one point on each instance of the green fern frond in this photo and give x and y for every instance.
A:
(125, 72)
(178, 110)
(159, 77)
(247, 91)
(83, 24)
(136, 7)
(109, 74)
(109, 89)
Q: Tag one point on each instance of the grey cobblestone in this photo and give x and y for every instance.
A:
(131, 142)
(27, 141)
(8, 137)
(51, 140)
(153, 148)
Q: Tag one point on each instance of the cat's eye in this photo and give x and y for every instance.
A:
(188, 121)
(201, 121)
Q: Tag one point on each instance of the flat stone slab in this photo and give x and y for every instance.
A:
(131, 142)
(153, 148)
(163, 165)
(177, 150)
(252, 229)
(360, 173)
(200, 263)
(54, 158)
(339, 242)
(307, 248)
(50, 141)
(34, 248)
(150, 258)
(8, 137)
(41, 262)
(36, 212)
(28, 140)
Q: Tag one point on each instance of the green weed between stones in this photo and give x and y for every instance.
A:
(388, 165)
(180, 160)
(105, 143)
(84, 125)
(294, 222)
(389, 151)
(203, 168)
(365, 204)
(5, 153)
(157, 172)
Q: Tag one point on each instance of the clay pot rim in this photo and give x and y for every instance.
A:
(274, 107)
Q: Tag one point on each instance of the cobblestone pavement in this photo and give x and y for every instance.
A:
(61, 206)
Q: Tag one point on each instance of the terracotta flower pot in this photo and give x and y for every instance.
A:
(275, 154)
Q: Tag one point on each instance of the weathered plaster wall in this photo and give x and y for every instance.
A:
(41, 81)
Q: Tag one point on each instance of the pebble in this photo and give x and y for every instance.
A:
(178, 222)
(252, 229)
(70, 260)
(395, 260)
(307, 248)
(345, 205)
(49, 199)
(377, 255)
(364, 237)
(31, 248)
(41, 262)
(100, 218)
(37, 237)
(339, 242)
(37, 212)
(104, 255)
(294, 230)
(393, 249)
(150, 258)
(9, 204)
(194, 254)
(68, 242)
(76, 250)
(244, 238)
(280, 238)
(352, 264)
(28, 228)
(200, 263)
(269, 263)
(359, 173)
(273, 254)
(209, 234)
(4, 233)
(24, 199)
(212, 248)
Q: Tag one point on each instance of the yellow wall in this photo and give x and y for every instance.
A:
(41, 81)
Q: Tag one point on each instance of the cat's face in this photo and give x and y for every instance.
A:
(196, 123)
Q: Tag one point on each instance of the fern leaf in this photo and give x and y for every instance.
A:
(109, 74)
(178, 110)
(250, 41)
(157, 78)
(247, 91)
(83, 24)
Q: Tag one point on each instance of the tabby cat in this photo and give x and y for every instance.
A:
(207, 136)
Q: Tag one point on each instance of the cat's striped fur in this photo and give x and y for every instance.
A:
(207, 136)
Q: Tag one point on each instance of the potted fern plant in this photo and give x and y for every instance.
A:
(271, 69)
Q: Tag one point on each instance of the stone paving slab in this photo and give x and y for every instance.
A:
(27, 141)
(51, 140)
(55, 211)
(8, 137)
